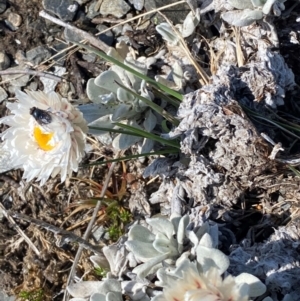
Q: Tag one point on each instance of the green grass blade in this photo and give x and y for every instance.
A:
(134, 72)
(294, 170)
(167, 98)
(118, 131)
(149, 135)
(161, 152)
(153, 106)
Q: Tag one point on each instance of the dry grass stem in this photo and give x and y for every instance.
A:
(19, 230)
(90, 226)
(204, 77)
(83, 34)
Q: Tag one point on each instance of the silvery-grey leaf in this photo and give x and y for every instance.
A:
(145, 93)
(113, 296)
(190, 23)
(116, 254)
(125, 96)
(85, 289)
(164, 278)
(202, 230)
(161, 225)
(142, 250)
(209, 257)
(108, 80)
(184, 221)
(161, 244)
(140, 233)
(167, 33)
(121, 112)
(92, 112)
(103, 122)
(138, 66)
(206, 241)
(268, 6)
(123, 75)
(150, 121)
(256, 287)
(137, 291)
(146, 146)
(151, 266)
(98, 297)
(123, 141)
(258, 3)
(95, 92)
(214, 235)
(241, 4)
(99, 261)
(242, 17)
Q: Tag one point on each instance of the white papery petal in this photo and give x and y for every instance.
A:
(67, 126)
(256, 287)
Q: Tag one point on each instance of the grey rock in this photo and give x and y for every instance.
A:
(64, 9)
(138, 4)
(107, 37)
(90, 57)
(50, 84)
(3, 6)
(60, 56)
(10, 25)
(4, 61)
(117, 8)
(93, 10)
(117, 30)
(3, 95)
(38, 55)
(71, 36)
(176, 13)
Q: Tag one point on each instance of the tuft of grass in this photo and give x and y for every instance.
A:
(36, 295)
(147, 79)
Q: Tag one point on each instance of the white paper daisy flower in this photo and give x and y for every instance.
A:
(46, 136)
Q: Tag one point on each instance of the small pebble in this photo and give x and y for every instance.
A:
(90, 57)
(117, 8)
(107, 37)
(4, 61)
(3, 6)
(38, 55)
(15, 19)
(138, 4)
(71, 35)
(10, 25)
(64, 9)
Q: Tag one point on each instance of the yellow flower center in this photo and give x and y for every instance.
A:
(43, 139)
